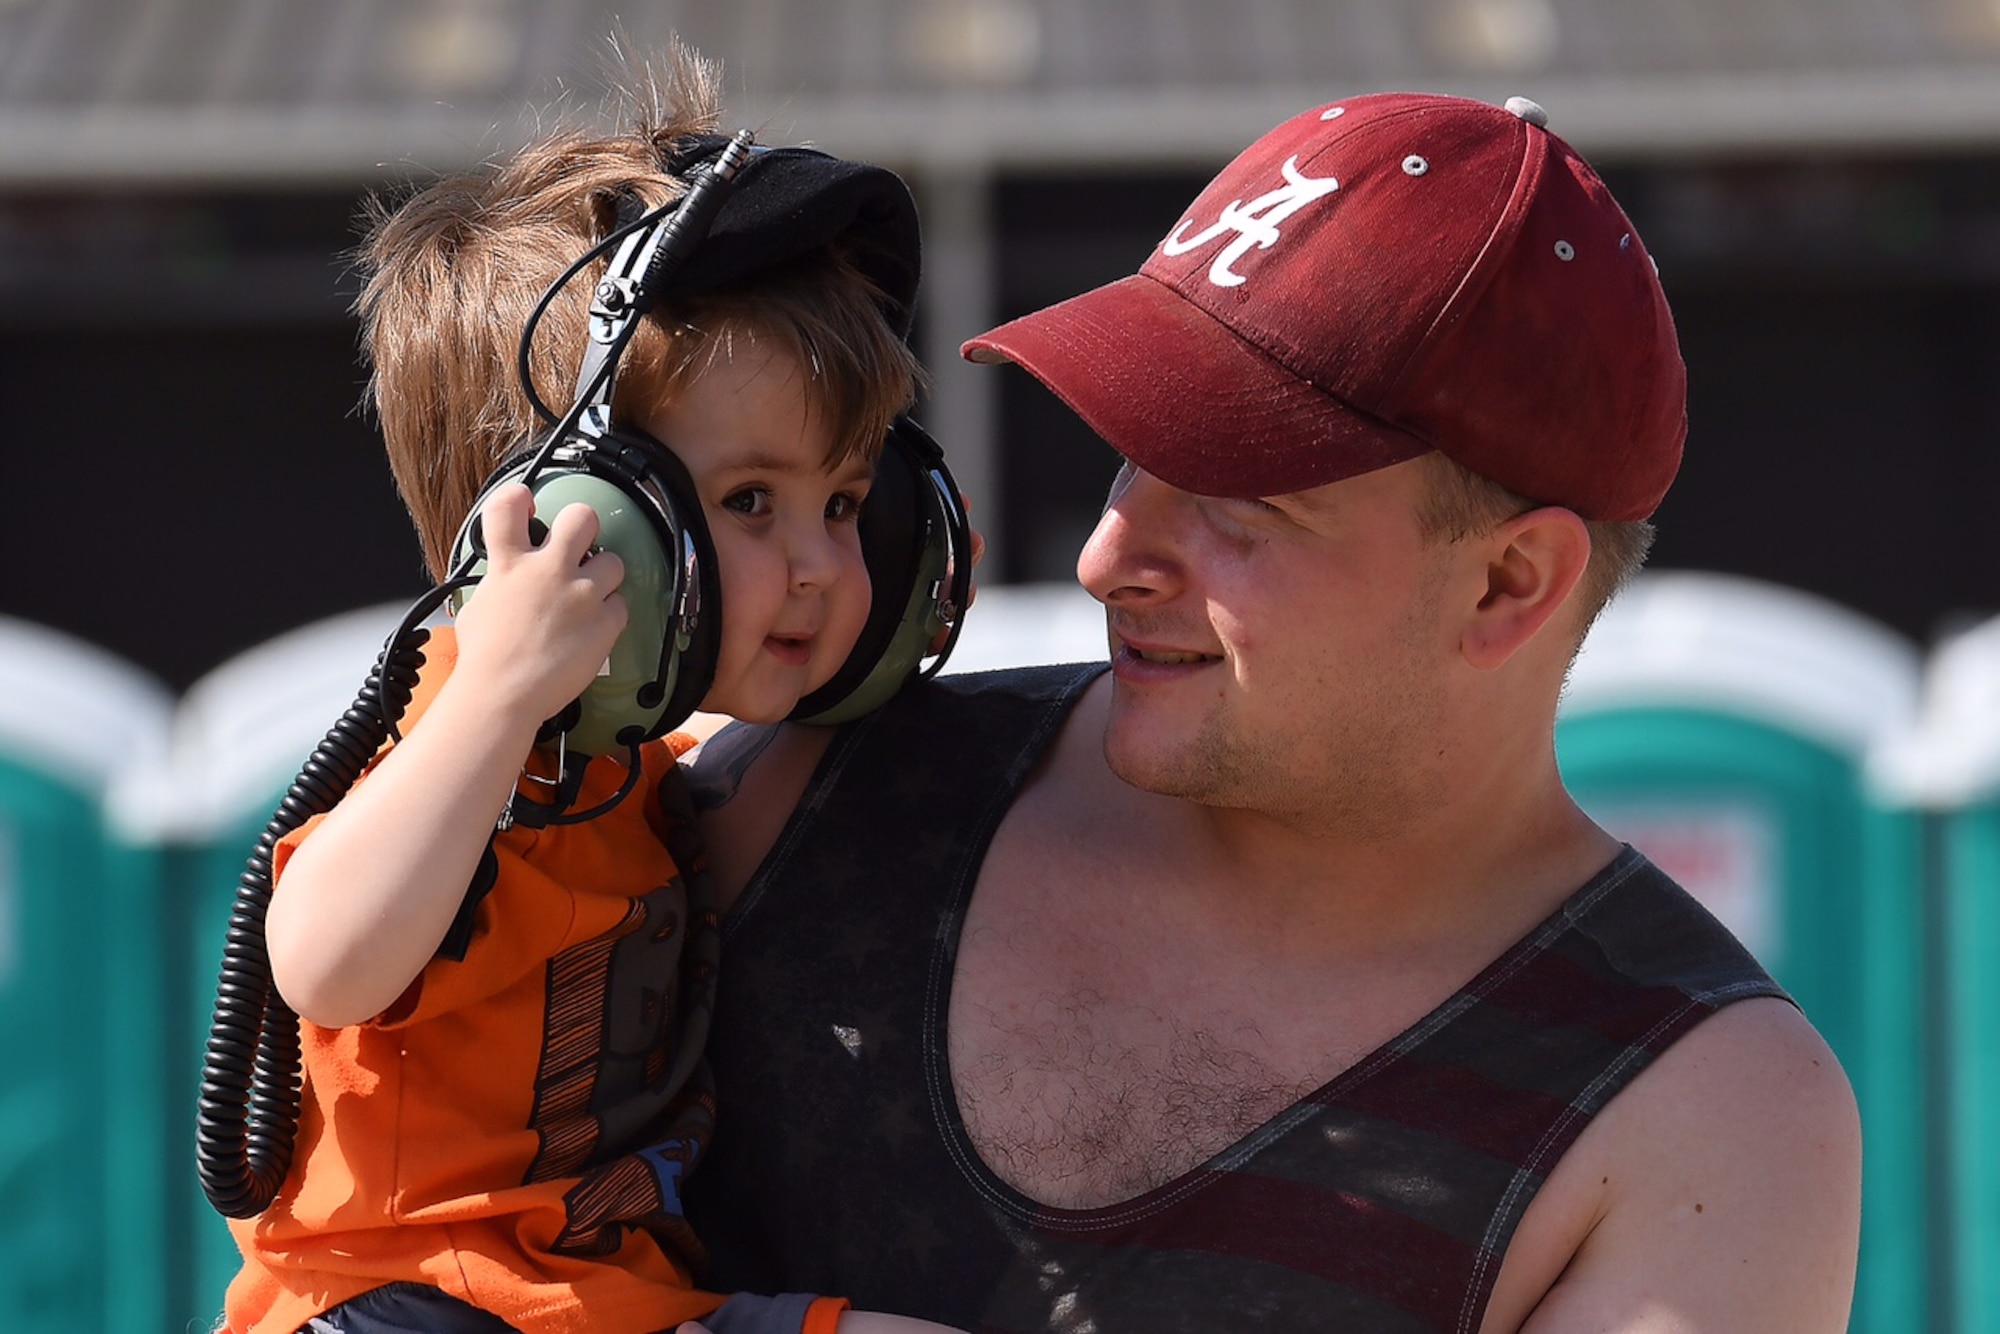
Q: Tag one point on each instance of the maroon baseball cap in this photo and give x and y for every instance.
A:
(1373, 280)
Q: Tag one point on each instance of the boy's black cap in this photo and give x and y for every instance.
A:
(790, 201)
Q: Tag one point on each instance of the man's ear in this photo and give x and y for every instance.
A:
(1532, 563)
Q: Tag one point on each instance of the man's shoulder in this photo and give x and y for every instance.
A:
(1759, 1064)
(1725, 1178)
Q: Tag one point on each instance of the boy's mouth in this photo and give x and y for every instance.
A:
(792, 650)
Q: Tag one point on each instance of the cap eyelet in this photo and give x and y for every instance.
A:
(1415, 166)
(1333, 113)
(1565, 251)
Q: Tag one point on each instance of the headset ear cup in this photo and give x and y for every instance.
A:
(912, 533)
(662, 668)
(688, 663)
(694, 672)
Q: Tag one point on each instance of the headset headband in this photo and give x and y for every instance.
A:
(791, 201)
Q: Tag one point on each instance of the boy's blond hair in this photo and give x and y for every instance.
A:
(454, 272)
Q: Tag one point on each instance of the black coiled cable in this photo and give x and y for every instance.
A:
(251, 1089)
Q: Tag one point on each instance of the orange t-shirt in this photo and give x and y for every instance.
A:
(454, 1141)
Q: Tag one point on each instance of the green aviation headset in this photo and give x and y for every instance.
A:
(763, 206)
(746, 208)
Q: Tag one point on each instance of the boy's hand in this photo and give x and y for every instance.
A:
(544, 618)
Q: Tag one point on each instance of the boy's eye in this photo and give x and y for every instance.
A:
(845, 507)
(751, 500)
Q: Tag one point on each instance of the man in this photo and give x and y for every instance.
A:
(1271, 979)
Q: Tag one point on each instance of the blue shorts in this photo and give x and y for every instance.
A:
(416, 1308)
(406, 1308)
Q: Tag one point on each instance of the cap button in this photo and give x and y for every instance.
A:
(1529, 111)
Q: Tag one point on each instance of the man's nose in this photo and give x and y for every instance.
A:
(1129, 553)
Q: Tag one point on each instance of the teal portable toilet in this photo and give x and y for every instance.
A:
(1727, 728)
(82, 1218)
(239, 737)
(1951, 773)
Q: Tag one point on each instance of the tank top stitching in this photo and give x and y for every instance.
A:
(1717, 997)
(1499, 1233)
(944, 948)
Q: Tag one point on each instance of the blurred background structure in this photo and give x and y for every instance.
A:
(192, 481)
(179, 178)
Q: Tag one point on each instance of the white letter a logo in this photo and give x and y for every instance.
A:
(1255, 223)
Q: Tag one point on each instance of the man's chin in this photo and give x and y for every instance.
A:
(1156, 764)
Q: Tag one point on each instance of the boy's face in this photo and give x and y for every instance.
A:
(794, 589)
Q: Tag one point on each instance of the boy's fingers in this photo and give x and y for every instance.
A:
(606, 569)
(503, 520)
(575, 529)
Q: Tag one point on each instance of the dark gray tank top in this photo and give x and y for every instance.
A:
(1380, 1204)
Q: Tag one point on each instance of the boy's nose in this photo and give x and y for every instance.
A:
(814, 559)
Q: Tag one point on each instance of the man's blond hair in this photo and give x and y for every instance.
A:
(1459, 503)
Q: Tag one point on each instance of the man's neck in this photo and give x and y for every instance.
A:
(1489, 859)
(1141, 981)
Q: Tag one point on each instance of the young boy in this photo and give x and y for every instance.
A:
(497, 1120)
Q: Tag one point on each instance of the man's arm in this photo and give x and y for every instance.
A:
(1721, 1192)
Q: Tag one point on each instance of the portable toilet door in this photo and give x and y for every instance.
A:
(1724, 727)
(239, 738)
(80, 992)
(1950, 771)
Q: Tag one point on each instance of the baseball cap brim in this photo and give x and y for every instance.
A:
(1173, 390)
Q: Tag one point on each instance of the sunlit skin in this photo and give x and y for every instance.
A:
(794, 588)
(1274, 653)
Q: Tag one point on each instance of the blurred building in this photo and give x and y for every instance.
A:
(191, 474)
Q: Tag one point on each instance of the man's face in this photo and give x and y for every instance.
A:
(1286, 655)
(794, 587)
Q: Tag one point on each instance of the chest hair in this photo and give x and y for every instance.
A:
(1079, 1102)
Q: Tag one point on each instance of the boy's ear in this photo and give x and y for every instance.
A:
(1532, 563)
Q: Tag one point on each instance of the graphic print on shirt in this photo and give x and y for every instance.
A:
(606, 1073)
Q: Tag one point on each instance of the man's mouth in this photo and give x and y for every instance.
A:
(1169, 657)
